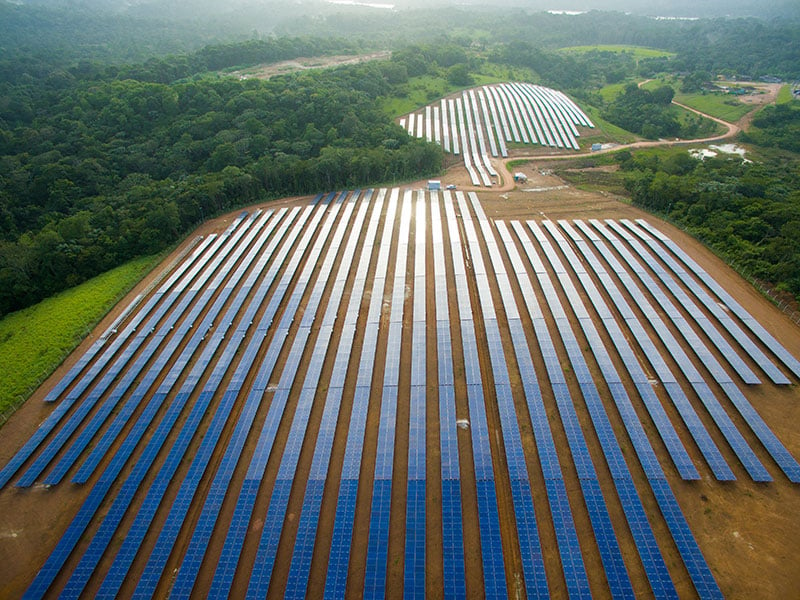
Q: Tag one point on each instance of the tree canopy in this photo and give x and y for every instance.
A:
(101, 169)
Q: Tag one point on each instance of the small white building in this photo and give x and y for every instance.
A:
(434, 185)
(520, 177)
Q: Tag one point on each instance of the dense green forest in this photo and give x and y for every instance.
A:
(97, 168)
(776, 126)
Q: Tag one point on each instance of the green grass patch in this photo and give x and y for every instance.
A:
(34, 341)
(512, 165)
(636, 51)
(784, 95)
(500, 73)
(595, 180)
(418, 92)
(719, 105)
(658, 82)
(604, 131)
(694, 126)
(611, 91)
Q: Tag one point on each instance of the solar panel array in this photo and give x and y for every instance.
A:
(452, 527)
(492, 558)
(264, 419)
(484, 120)
(414, 574)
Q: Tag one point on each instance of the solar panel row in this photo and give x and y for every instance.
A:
(492, 124)
(339, 559)
(689, 306)
(488, 517)
(691, 555)
(219, 486)
(476, 134)
(690, 418)
(380, 511)
(452, 529)
(758, 330)
(527, 531)
(262, 568)
(237, 245)
(755, 353)
(74, 394)
(476, 173)
(664, 426)
(414, 558)
(304, 543)
(704, 392)
(655, 567)
(154, 497)
(454, 133)
(445, 123)
(617, 577)
(776, 449)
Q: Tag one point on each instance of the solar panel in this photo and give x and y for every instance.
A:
(721, 418)
(499, 127)
(607, 543)
(722, 317)
(488, 519)
(414, 563)
(81, 521)
(268, 544)
(154, 497)
(198, 543)
(339, 558)
(532, 561)
(513, 114)
(461, 109)
(474, 140)
(691, 308)
(452, 533)
(180, 278)
(378, 541)
(762, 334)
(164, 358)
(667, 432)
(701, 575)
(529, 117)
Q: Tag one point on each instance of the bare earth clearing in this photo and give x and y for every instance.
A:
(302, 64)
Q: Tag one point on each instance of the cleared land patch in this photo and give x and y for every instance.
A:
(267, 71)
